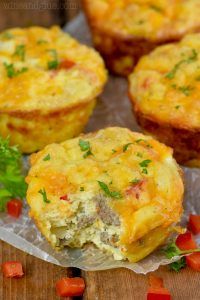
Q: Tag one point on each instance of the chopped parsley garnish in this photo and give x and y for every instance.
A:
(186, 90)
(112, 194)
(139, 140)
(190, 59)
(114, 151)
(85, 147)
(135, 181)
(54, 63)
(145, 171)
(46, 158)
(174, 86)
(177, 106)
(156, 8)
(41, 42)
(7, 35)
(88, 153)
(82, 189)
(148, 146)
(172, 250)
(44, 195)
(20, 51)
(178, 265)
(146, 143)
(193, 57)
(12, 182)
(139, 154)
(172, 73)
(140, 22)
(125, 147)
(145, 163)
(12, 72)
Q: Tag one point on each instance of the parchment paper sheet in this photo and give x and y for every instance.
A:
(113, 109)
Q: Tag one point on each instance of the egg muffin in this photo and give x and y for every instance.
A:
(49, 83)
(165, 92)
(124, 30)
(118, 190)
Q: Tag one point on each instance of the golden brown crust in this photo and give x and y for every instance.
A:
(121, 51)
(122, 54)
(33, 130)
(34, 114)
(186, 143)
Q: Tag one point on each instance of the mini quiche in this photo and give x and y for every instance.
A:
(48, 86)
(119, 190)
(165, 92)
(124, 30)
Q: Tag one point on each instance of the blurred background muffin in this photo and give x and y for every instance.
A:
(49, 83)
(124, 30)
(165, 93)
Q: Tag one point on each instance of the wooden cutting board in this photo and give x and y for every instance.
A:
(120, 284)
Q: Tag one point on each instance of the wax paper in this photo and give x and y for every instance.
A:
(113, 108)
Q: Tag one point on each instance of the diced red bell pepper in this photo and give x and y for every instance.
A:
(155, 281)
(158, 294)
(66, 64)
(14, 208)
(146, 83)
(65, 197)
(12, 269)
(70, 287)
(193, 261)
(136, 189)
(185, 241)
(156, 290)
(194, 224)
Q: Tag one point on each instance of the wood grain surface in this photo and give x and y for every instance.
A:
(120, 284)
(38, 282)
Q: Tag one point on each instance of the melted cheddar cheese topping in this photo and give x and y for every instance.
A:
(46, 69)
(165, 85)
(151, 19)
(134, 174)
